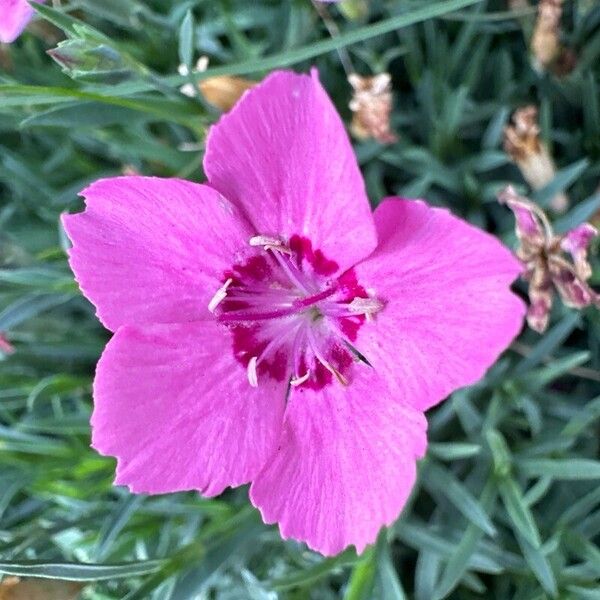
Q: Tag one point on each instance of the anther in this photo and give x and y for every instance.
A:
(296, 381)
(340, 378)
(219, 296)
(365, 306)
(252, 374)
(269, 243)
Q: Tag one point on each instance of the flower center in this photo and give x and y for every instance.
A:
(289, 319)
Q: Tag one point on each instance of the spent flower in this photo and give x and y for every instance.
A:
(371, 106)
(546, 266)
(270, 329)
(523, 144)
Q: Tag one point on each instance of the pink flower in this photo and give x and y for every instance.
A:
(245, 311)
(14, 16)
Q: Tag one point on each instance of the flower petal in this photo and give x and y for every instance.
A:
(345, 465)
(449, 311)
(178, 413)
(149, 250)
(14, 16)
(282, 154)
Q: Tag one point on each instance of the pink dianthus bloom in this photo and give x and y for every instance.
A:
(269, 328)
(14, 16)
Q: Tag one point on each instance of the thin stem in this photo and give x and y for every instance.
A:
(334, 32)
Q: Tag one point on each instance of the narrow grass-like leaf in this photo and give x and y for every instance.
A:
(540, 566)
(441, 480)
(520, 516)
(570, 469)
(562, 181)
(186, 40)
(78, 571)
(460, 559)
(290, 57)
(388, 582)
(362, 579)
(547, 344)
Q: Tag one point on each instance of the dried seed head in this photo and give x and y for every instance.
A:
(523, 144)
(372, 106)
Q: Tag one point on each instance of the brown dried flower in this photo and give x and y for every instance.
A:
(545, 257)
(15, 588)
(222, 91)
(372, 106)
(523, 144)
(548, 53)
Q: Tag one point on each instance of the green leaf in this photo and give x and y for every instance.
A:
(388, 582)
(459, 561)
(540, 566)
(362, 579)
(581, 212)
(354, 36)
(437, 478)
(563, 179)
(29, 306)
(186, 40)
(569, 469)
(519, 513)
(548, 343)
(78, 571)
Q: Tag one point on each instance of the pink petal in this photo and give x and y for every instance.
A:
(345, 465)
(528, 227)
(178, 413)
(149, 250)
(449, 311)
(577, 240)
(14, 16)
(284, 156)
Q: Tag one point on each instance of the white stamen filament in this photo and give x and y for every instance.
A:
(219, 296)
(295, 381)
(252, 374)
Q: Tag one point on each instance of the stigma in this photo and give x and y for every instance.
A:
(290, 318)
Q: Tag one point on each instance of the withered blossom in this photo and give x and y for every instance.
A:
(548, 53)
(545, 256)
(523, 144)
(222, 91)
(16, 588)
(372, 106)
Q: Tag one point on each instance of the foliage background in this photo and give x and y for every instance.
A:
(508, 502)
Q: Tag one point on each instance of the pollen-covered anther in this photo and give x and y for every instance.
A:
(339, 377)
(366, 306)
(269, 243)
(219, 296)
(252, 372)
(296, 381)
